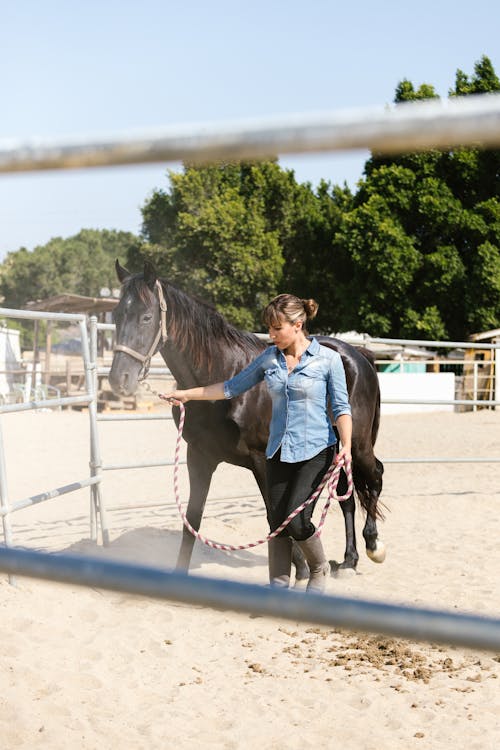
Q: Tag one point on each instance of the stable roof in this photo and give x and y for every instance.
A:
(486, 335)
(74, 303)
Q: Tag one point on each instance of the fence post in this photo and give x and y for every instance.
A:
(90, 361)
(496, 371)
(4, 500)
(475, 381)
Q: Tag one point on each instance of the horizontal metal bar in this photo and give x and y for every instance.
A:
(173, 503)
(410, 126)
(376, 340)
(423, 342)
(438, 460)
(437, 626)
(149, 464)
(131, 417)
(37, 315)
(471, 363)
(152, 370)
(436, 402)
(116, 467)
(50, 403)
(35, 499)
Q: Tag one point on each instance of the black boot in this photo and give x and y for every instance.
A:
(279, 550)
(319, 566)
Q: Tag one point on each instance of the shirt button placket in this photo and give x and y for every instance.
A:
(286, 441)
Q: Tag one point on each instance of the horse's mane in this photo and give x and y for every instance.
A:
(196, 327)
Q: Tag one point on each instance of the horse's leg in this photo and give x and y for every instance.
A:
(348, 506)
(369, 495)
(200, 470)
(298, 559)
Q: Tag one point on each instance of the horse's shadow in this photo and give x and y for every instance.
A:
(159, 548)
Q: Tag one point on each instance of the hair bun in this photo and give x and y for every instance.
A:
(311, 307)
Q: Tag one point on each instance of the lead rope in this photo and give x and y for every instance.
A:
(331, 477)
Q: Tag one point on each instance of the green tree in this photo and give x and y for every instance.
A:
(237, 234)
(217, 233)
(315, 262)
(423, 237)
(81, 264)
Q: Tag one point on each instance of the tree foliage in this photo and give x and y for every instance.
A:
(237, 234)
(218, 232)
(82, 264)
(423, 238)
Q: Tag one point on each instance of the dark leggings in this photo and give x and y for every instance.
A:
(289, 485)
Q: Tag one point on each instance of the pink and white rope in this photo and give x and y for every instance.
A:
(331, 478)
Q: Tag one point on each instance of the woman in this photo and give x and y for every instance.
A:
(301, 376)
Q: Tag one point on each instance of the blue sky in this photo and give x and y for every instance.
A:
(104, 66)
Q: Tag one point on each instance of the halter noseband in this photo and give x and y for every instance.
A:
(161, 335)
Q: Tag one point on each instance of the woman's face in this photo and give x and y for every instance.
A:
(283, 333)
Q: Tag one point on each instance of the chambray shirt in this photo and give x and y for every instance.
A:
(300, 423)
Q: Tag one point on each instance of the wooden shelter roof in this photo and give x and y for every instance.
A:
(74, 303)
(485, 335)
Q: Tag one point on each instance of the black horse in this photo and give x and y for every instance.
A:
(200, 347)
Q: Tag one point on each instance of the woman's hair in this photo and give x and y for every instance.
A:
(290, 308)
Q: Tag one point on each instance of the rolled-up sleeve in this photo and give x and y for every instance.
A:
(337, 387)
(247, 378)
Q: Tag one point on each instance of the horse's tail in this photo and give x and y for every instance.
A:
(376, 419)
(369, 355)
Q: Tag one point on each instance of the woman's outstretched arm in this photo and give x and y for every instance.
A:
(213, 392)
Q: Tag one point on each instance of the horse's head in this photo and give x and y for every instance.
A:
(140, 319)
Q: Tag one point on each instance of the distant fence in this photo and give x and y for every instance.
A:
(473, 367)
(88, 398)
(413, 126)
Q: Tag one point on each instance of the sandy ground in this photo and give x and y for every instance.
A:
(91, 669)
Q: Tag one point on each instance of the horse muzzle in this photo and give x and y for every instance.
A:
(124, 378)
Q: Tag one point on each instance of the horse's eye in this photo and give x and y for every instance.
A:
(147, 318)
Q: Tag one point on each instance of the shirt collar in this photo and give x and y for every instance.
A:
(313, 347)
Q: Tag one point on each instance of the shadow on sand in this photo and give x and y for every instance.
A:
(159, 547)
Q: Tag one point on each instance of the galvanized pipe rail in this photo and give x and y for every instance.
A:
(409, 126)
(436, 626)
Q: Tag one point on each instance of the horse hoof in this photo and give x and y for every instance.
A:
(338, 570)
(377, 555)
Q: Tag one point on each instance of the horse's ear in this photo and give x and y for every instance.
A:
(121, 272)
(149, 274)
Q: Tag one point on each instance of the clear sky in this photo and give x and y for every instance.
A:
(104, 66)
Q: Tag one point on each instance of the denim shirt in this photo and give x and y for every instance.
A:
(300, 423)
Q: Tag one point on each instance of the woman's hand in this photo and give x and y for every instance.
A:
(174, 397)
(344, 455)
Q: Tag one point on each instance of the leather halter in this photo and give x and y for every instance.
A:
(161, 335)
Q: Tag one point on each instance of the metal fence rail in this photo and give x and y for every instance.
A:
(437, 626)
(409, 126)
